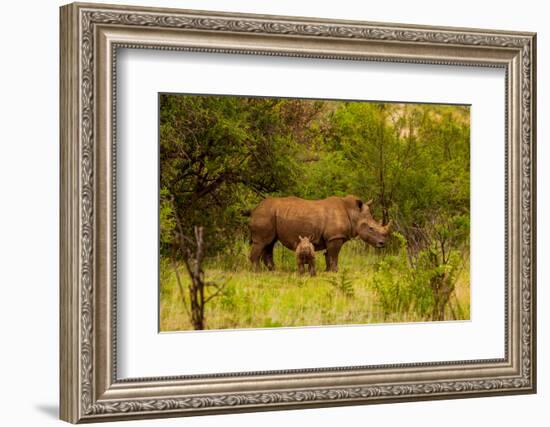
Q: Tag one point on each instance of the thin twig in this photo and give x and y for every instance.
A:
(219, 290)
(180, 286)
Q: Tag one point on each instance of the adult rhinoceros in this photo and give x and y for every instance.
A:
(329, 223)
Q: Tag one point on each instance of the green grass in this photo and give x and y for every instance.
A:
(284, 298)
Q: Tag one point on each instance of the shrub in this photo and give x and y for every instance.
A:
(343, 283)
(422, 287)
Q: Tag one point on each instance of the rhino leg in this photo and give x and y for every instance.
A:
(263, 237)
(311, 267)
(255, 253)
(267, 256)
(264, 252)
(333, 249)
(327, 261)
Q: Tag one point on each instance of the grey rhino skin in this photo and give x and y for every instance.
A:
(329, 223)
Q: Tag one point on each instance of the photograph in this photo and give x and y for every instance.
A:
(289, 212)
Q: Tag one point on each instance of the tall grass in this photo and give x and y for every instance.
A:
(284, 298)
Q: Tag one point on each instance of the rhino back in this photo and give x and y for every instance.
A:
(320, 220)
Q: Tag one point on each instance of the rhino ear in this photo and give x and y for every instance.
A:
(352, 203)
(369, 202)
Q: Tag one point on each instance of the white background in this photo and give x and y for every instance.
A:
(141, 346)
(29, 171)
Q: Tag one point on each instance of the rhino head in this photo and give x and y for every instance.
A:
(364, 225)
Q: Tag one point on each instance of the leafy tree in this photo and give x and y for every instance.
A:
(219, 155)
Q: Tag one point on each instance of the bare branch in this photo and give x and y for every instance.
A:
(219, 290)
(180, 286)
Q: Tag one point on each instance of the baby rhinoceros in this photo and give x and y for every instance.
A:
(305, 254)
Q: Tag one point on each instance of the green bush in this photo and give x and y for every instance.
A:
(423, 287)
(343, 283)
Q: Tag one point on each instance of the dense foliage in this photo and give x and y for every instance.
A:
(220, 155)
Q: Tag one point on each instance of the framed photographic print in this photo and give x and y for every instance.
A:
(265, 212)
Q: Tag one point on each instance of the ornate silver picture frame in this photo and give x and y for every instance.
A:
(90, 388)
